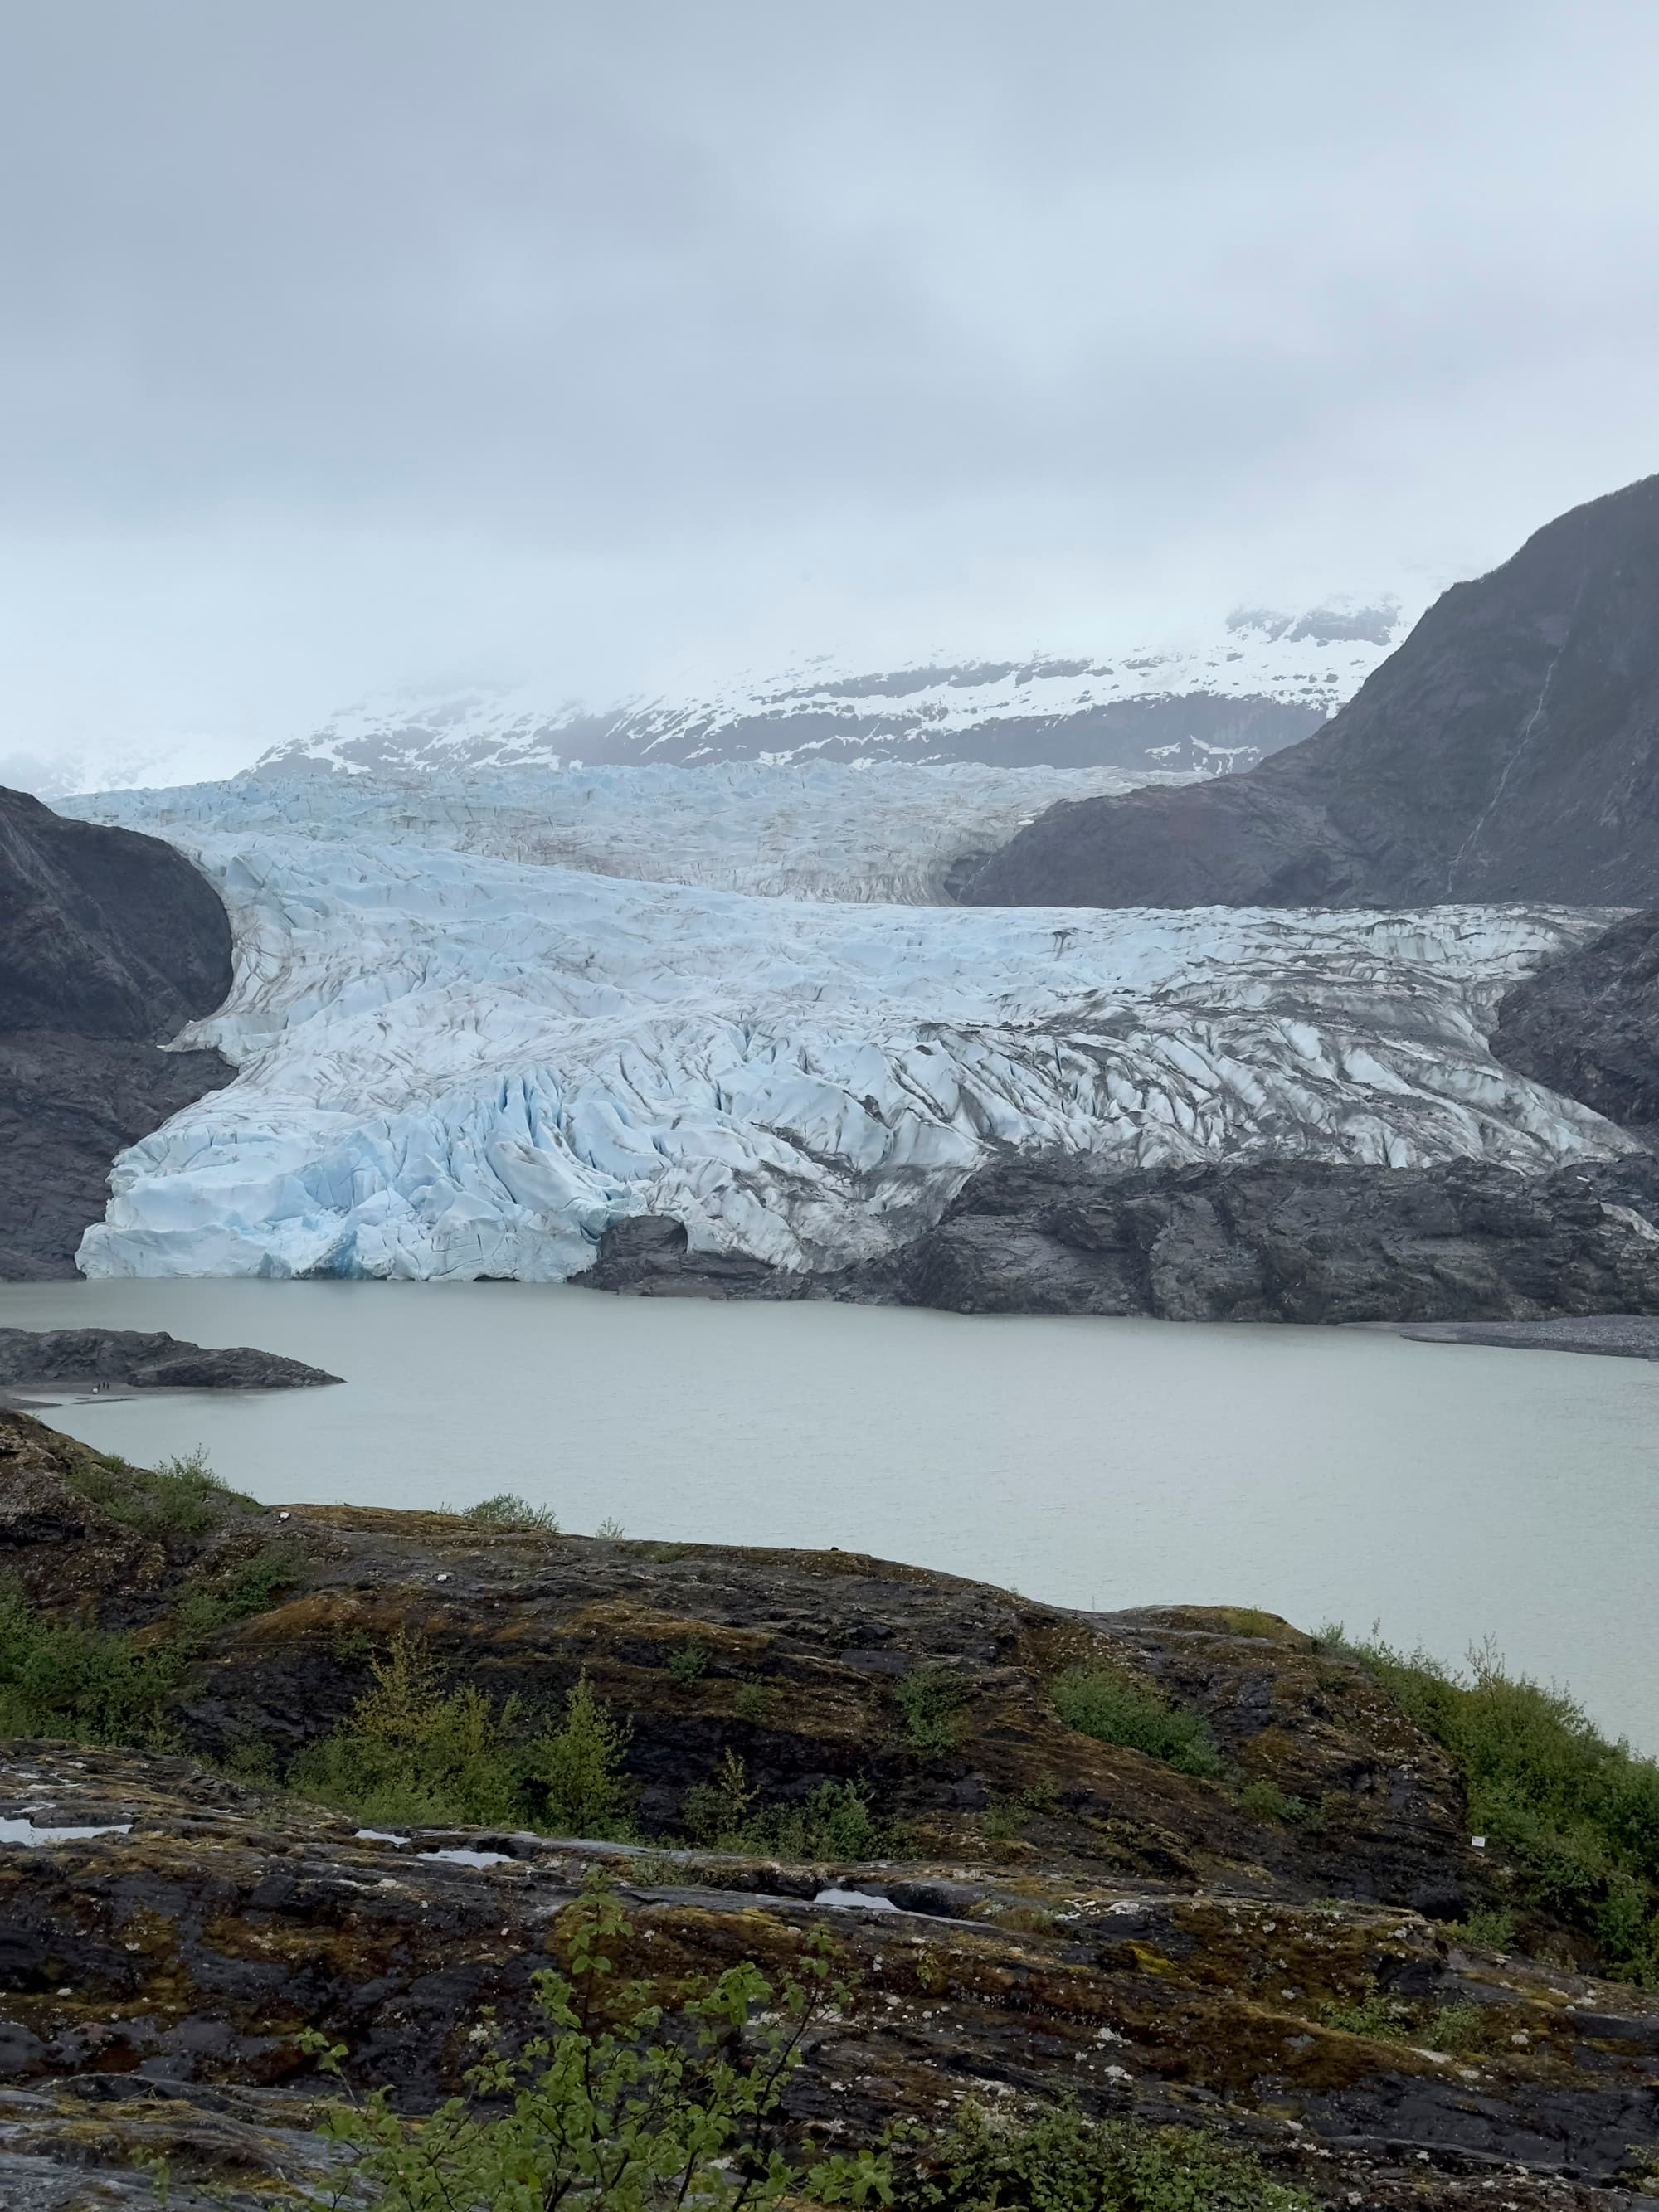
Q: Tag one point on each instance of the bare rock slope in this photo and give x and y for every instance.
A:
(1587, 1024)
(110, 942)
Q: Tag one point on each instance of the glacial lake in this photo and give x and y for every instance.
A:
(1447, 1491)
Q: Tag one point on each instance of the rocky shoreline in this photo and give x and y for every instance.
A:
(140, 1360)
(1276, 1928)
(1303, 1241)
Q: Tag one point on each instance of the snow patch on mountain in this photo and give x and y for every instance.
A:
(453, 1065)
(882, 830)
(1208, 706)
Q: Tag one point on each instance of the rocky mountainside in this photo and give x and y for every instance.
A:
(1263, 1926)
(110, 942)
(1221, 703)
(1509, 748)
(1588, 1024)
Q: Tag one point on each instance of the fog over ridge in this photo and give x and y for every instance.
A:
(614, 350)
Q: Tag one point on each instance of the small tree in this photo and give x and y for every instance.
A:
(579, 1764)
(613, 2103)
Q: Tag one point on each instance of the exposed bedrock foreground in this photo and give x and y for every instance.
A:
(1272, 1923)
(1301, 1241)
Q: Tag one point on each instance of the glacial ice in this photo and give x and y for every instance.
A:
(453, 1064)
(880, 830)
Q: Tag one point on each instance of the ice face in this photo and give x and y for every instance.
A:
(453, 1064)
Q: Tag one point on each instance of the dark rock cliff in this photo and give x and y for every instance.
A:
(1508, 750)
(110, 942)
(1295, 1241)
(1588, 1024)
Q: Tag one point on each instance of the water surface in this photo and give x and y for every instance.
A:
(1448, 1490)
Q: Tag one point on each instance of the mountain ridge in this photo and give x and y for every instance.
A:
(1507, 749)
(1223, 702)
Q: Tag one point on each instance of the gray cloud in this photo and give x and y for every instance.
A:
(348, 345)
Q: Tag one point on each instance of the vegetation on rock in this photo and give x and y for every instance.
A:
(59, 1678)
(178, 1497)
(617, 2101)
(1576, 1816)
(411, 1751)
(1062, 2161)
(1110, 1706)
(621, 2102)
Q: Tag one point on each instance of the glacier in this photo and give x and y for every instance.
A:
(867, 831)
(456, 1064)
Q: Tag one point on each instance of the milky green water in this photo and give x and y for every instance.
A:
(1450, 1491)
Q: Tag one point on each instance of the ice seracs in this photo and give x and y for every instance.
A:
(453, 1064)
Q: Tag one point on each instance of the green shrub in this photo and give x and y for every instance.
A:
(1063, 2163)
(1269, 1802)
(1577, 1816)
(689, 1662)
(613, 2103)
(756, 1702)
(1453, 2027)
(507, 1512)
(931, 1700)
(578, 1768)
(1382, 2019)
(1251, 1620)
(1103, 1702)
(835, 1822)
(1009, 1817)
(60, 1679)
(1450, 2028)
(1004, 1821)
(236, 1593)
(179, 1497)
(411, 1752)
(1490, 1930)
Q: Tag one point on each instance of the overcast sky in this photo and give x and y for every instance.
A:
(349, 342)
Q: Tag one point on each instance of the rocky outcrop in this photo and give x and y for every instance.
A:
(156, 1981)
(143, 1361)
(1506, 751)
(1300, 1241)
(1587, 1024)
(1147, 1943)
(110, 942)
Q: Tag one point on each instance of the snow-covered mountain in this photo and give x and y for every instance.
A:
(1265, 680)
(453, 1063)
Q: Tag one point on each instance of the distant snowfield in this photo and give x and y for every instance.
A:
(455, 1064)
(1196, 705)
